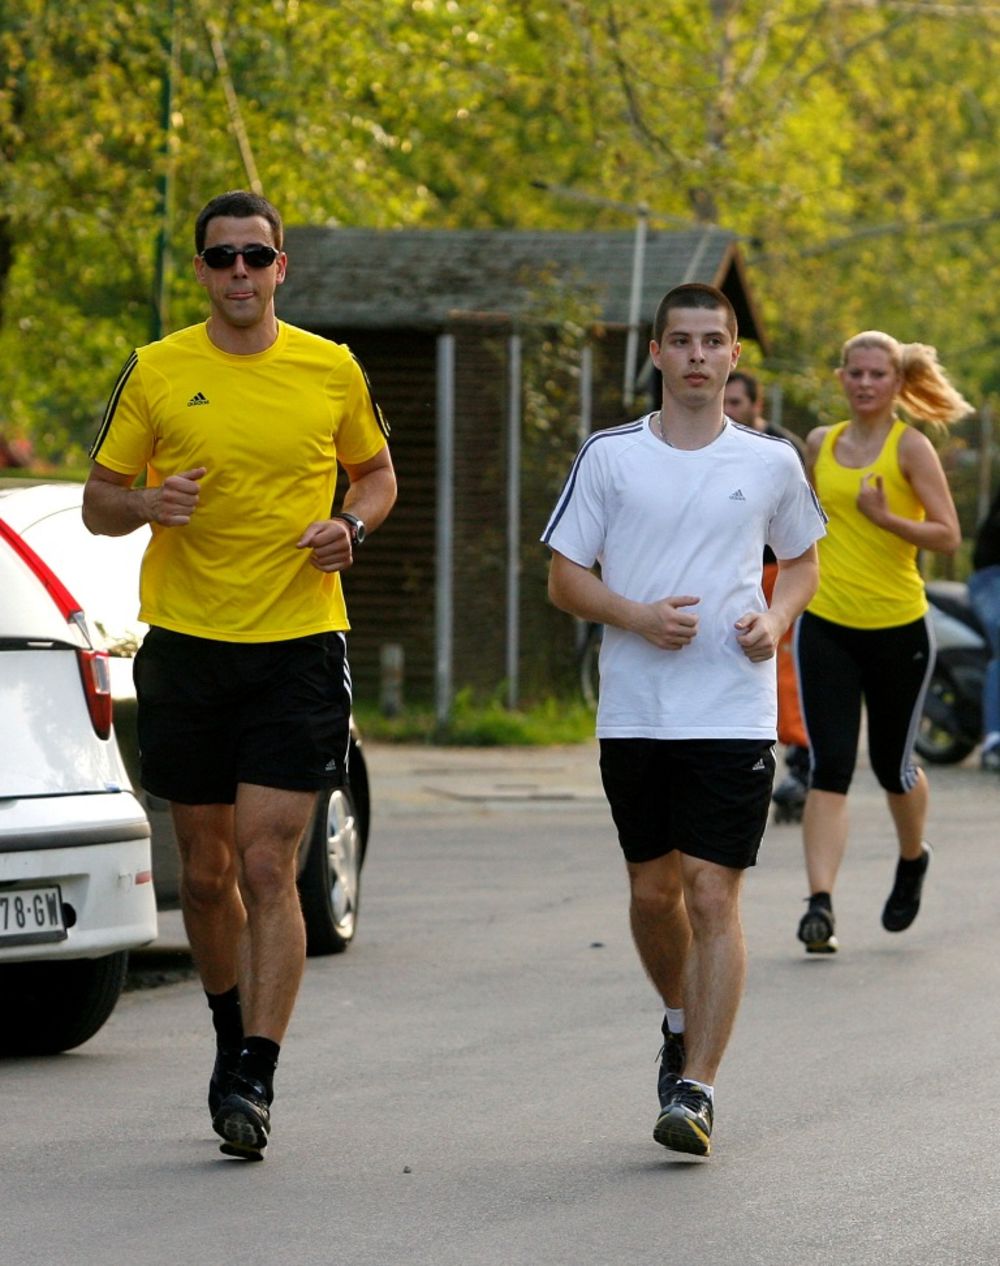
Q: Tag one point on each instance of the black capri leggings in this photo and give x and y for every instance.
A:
(887, 669)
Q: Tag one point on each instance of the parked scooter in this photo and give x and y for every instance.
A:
(952, 721)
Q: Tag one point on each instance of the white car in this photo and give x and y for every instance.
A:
(103, 572)
(76, 891)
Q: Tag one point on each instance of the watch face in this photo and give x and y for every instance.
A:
(355, 524)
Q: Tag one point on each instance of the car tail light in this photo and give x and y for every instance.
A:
(96, 673)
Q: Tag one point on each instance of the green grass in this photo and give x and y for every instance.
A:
(488, 724)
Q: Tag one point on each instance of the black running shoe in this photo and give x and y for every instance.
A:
(816, 930)
(226, 1060)
(904, 900)
(244, 1119)
(671, 1059)
(685, 1120)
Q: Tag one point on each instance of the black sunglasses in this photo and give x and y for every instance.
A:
(253, 256)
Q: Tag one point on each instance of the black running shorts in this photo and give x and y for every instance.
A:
(707, 798)
(216, 714)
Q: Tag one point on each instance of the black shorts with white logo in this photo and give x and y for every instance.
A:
(215, 714)
(707, 798)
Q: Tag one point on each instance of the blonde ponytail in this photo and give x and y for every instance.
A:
(927, 392)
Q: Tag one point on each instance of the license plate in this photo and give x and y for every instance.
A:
(28, 915)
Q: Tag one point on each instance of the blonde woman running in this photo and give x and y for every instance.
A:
(865, 636)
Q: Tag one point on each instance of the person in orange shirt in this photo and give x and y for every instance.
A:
(742, 402)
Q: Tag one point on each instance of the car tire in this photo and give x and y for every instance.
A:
(330, 878)
(54, 1005)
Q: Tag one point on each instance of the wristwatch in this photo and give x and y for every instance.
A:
(355, 524)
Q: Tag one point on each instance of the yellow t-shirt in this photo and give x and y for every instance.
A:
(868, 577)
(269, 428)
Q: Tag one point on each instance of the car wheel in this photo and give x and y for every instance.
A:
(57, 1004)
(330, 879)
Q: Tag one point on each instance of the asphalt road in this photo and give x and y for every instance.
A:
(474, 1081)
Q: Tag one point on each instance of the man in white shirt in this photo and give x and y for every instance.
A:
(676, 508)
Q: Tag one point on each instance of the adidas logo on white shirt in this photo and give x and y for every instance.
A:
(199, 397)
(737, 495)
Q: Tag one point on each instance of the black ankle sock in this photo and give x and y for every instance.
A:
(226, 1017)
(913, 865)
(258, 1059)
(821, 899)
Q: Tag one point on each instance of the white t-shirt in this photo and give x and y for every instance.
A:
(663, 522)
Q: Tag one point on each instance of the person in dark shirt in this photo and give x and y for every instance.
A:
(984, 593)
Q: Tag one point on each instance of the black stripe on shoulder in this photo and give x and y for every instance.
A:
(775, 439)
(761, 435)
(380, 417)
(112, 404)
(628, 428)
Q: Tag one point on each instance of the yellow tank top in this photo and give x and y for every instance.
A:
(868, 577)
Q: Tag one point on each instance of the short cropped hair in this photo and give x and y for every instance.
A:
(749, 382)
(242, 204)
(693, 294)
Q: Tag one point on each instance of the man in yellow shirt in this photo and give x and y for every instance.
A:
(243, 687)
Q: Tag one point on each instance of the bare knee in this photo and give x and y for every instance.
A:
(712, 897)
(266, 874)
(204, 835)
(208, 869)
(655, 895)
(207, 881)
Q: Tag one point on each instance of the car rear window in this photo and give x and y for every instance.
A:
(26, 607)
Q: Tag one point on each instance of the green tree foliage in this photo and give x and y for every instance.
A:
(851, 143)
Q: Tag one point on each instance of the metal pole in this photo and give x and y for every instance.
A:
(583, 431)
(635, 304)
(161, 280)
(445, 527)
(513, 517)
(586, 391)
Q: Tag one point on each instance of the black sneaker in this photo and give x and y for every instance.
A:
(685, 1120)
(226, 1060)
(244, 1119)
(904, 900)
(671, 1059)
(816, 930)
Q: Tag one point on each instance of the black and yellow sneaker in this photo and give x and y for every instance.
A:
(904, 901)
(244, 1119)
(685, 1120)
(671, 1058)
(816, 927)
